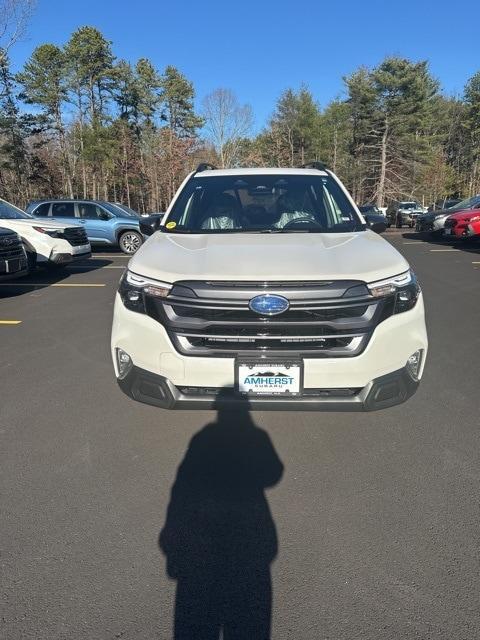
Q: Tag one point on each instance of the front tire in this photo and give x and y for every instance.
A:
(130, 241)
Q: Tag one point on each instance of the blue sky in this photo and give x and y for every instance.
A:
(258, 48)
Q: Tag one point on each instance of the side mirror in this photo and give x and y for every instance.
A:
(150, 224)
(378, 227)
(104, 215)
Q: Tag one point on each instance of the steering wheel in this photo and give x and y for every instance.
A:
(300, 221)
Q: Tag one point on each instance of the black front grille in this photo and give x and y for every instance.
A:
(245, 315)
(325, 319)
(449, 224)
(75, 236)
(11, 247)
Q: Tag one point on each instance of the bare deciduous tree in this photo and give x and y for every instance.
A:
(227, 122)
(14, 16)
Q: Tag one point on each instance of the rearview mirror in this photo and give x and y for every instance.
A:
(150, 224)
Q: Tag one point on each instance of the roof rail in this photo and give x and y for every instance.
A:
(314, 165)
(205, 166)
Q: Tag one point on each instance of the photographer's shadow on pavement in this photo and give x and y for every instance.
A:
(219, 537)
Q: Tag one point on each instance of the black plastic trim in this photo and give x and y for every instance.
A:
(65, 258)
(381, 393)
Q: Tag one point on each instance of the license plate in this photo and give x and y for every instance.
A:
(269, 379)
(447, 232)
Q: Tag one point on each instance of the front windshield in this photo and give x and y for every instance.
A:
(10, 212)
(267, 203)
(467, 204)
(409, 205)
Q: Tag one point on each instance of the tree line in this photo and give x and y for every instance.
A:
(77, 122)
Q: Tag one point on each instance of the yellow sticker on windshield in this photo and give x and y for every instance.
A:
(171, 225)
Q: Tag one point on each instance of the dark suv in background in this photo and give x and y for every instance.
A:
(105, 223)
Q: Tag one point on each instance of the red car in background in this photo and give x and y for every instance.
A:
(462, 225)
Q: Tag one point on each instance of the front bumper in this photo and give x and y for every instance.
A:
(439, 225)
(65, 258)
(473, 230)
(385, 391)
(155, 358)
(16, 274)
(14, 266)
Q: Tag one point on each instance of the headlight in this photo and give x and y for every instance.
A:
(404, 287)
(133, 289)
(474, 219)
(53, 233)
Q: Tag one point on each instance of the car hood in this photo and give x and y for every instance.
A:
(436, 214)
(291, 256)
(465, 215)
(6, 232)
(450, 212)
(132, 221)
(51, 223)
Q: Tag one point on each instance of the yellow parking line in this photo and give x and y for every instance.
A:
(46, 284)
(10, 322)
(415, 242)
(443, 250)
(475, 262)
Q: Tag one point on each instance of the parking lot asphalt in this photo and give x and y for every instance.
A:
(376, 514)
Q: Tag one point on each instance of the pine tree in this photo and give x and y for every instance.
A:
(472, 128)
(14, 129)
(45, 85)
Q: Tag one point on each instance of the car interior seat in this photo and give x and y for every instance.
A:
(222, 213)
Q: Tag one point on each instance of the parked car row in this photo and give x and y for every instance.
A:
(461, 217)
(105, 223)
(53, 233)
(48, 243)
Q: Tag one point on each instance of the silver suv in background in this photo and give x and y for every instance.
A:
(404, 213)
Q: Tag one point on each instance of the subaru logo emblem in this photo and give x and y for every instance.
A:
(8, 241)
(269, 304)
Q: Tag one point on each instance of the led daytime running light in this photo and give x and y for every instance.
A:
(388, 286)
(150, 287)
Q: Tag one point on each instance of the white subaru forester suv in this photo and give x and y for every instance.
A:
(266, 284)
(49, 243)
